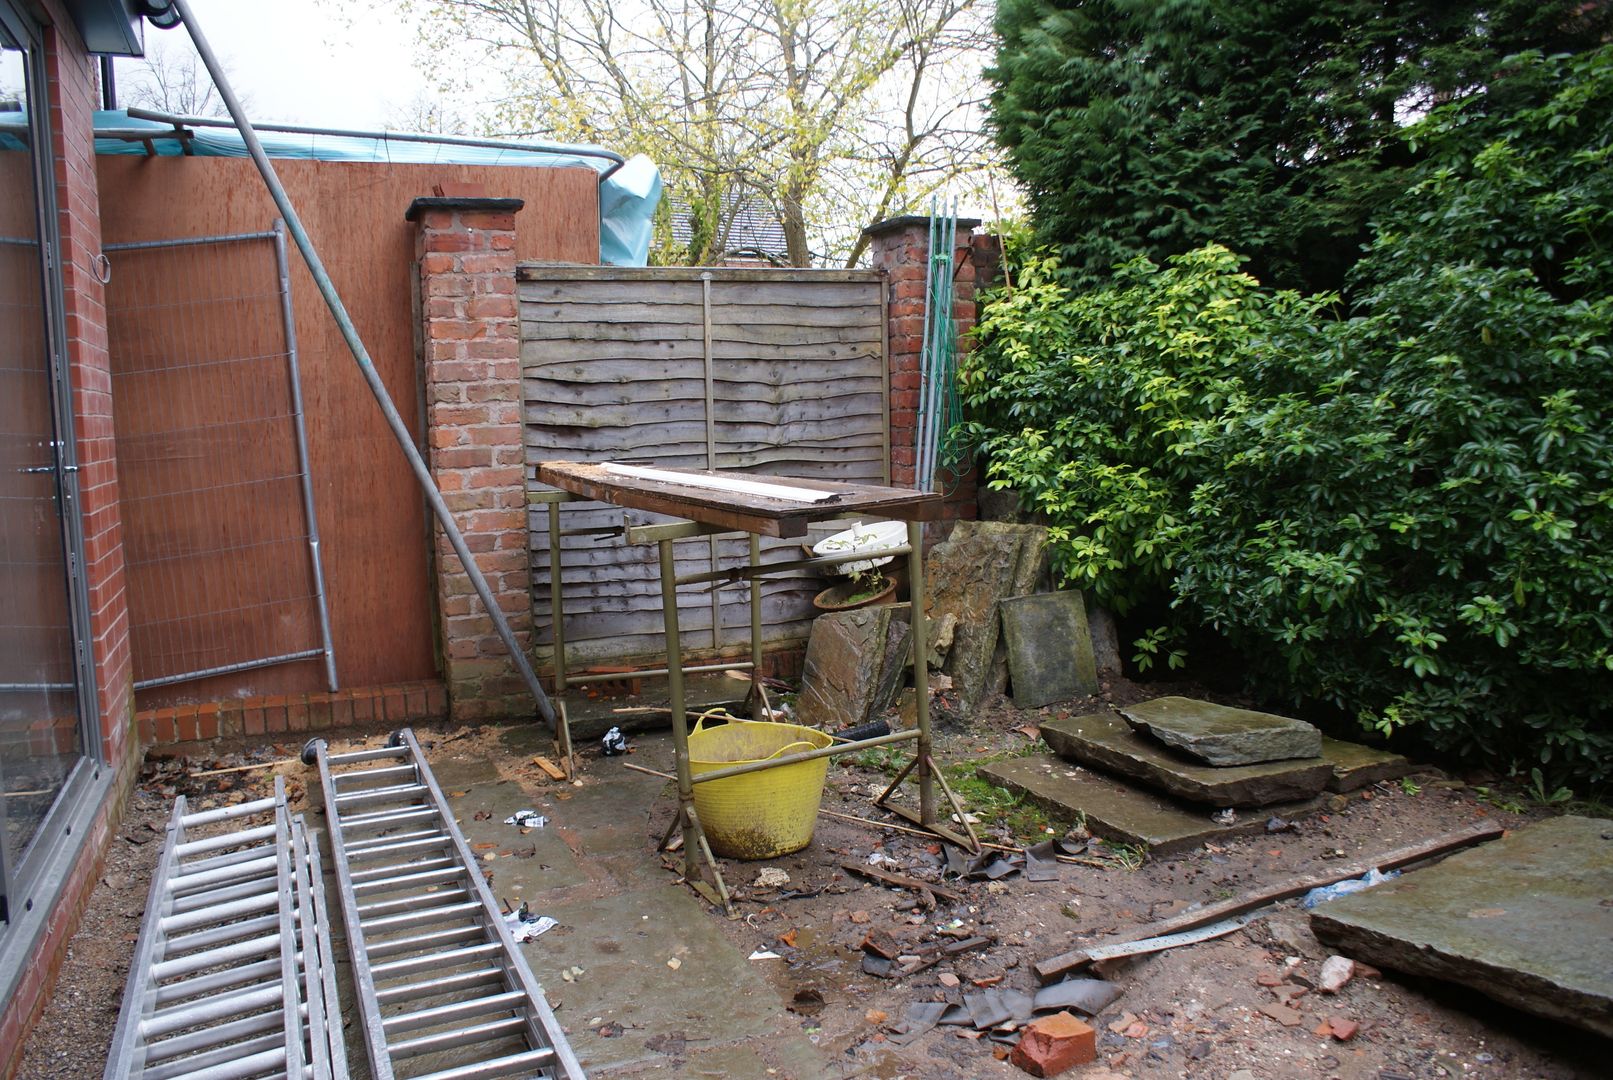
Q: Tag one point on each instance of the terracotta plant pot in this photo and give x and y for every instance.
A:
(846, 595)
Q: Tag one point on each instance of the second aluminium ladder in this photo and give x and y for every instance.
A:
(444, 993)
(232, 977)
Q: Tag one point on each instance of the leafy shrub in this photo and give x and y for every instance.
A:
(1407, 513)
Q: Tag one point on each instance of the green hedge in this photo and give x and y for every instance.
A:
(1406, 512)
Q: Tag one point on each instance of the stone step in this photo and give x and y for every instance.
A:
(1106, 742)
(1221, 734)
(1525, 920)
(1356, 766)
(1116, 810)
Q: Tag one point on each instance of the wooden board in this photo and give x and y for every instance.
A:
(371, 515)
(741, 511)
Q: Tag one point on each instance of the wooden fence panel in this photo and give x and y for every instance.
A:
(786, 376)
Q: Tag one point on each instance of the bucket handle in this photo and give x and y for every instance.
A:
(790, 746)
(700, 721)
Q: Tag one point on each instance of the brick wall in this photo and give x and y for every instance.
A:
(73, 93)
(395, 705)
(900, 247)
(471, 354)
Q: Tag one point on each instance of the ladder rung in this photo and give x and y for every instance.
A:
(377, 851)
(432, 960)
(228, 858)
(396, 793)
(515, 1064)
(228, 954)
(241, 1068)
(385, 923)
(225, 813)
(168, 993)
(222, 1055)
(213, 1009)
(360, 775)
(218, 935)
(452, 935)
(509, 1001)
(241, 871)
(383, 818)
(442, 984)
(353, 756)
(190, 920)
(224, 894)
(388, 871)
(409, 903)
(424, 877)
(446, 1040)
(218, 1035)
(358, 846)
(224, 840)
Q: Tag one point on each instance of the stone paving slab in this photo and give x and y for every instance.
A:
(1221, 735)
(1118, 811)
(1526, 920)
(1356, 766)
(1049, 648)
(1107, 742)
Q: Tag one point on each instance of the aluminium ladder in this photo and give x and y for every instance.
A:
(232, 972)
(444, 993)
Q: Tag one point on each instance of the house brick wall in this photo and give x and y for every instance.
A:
(394, 705)
(900, 248)
(470, 346)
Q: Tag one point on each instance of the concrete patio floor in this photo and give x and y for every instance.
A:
(622, 918)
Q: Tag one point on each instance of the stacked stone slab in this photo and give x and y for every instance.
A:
(855, 664)
(1163, 773)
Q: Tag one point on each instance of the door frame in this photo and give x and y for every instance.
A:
(31, 884)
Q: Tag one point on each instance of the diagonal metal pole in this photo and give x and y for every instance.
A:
(366, 367)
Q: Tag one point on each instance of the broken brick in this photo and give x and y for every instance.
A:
(1282, 1014)
(880, 943)
(1339, 1028)
(1052, 1044)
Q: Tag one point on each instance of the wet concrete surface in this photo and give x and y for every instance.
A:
(660, 989)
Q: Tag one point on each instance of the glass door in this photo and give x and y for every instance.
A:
(41, 733)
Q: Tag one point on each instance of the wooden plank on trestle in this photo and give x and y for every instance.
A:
(737, 510)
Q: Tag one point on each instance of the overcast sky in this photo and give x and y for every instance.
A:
(299, 61)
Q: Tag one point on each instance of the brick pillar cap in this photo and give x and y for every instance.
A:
(457, 202)
(904, 221)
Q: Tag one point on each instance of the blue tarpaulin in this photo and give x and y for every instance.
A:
(627, 195)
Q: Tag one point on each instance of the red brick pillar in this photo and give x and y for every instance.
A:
(900, 247)
(471, 352)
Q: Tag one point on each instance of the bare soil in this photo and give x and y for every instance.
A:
(1191, 1012)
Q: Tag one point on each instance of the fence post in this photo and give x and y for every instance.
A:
(470, 348)
(899, 247)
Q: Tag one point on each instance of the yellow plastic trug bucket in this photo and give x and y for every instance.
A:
(763, 814)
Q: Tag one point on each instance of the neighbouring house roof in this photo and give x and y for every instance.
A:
(629, 188)
(756, 231)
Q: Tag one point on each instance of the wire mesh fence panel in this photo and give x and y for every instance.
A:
(220, 539)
